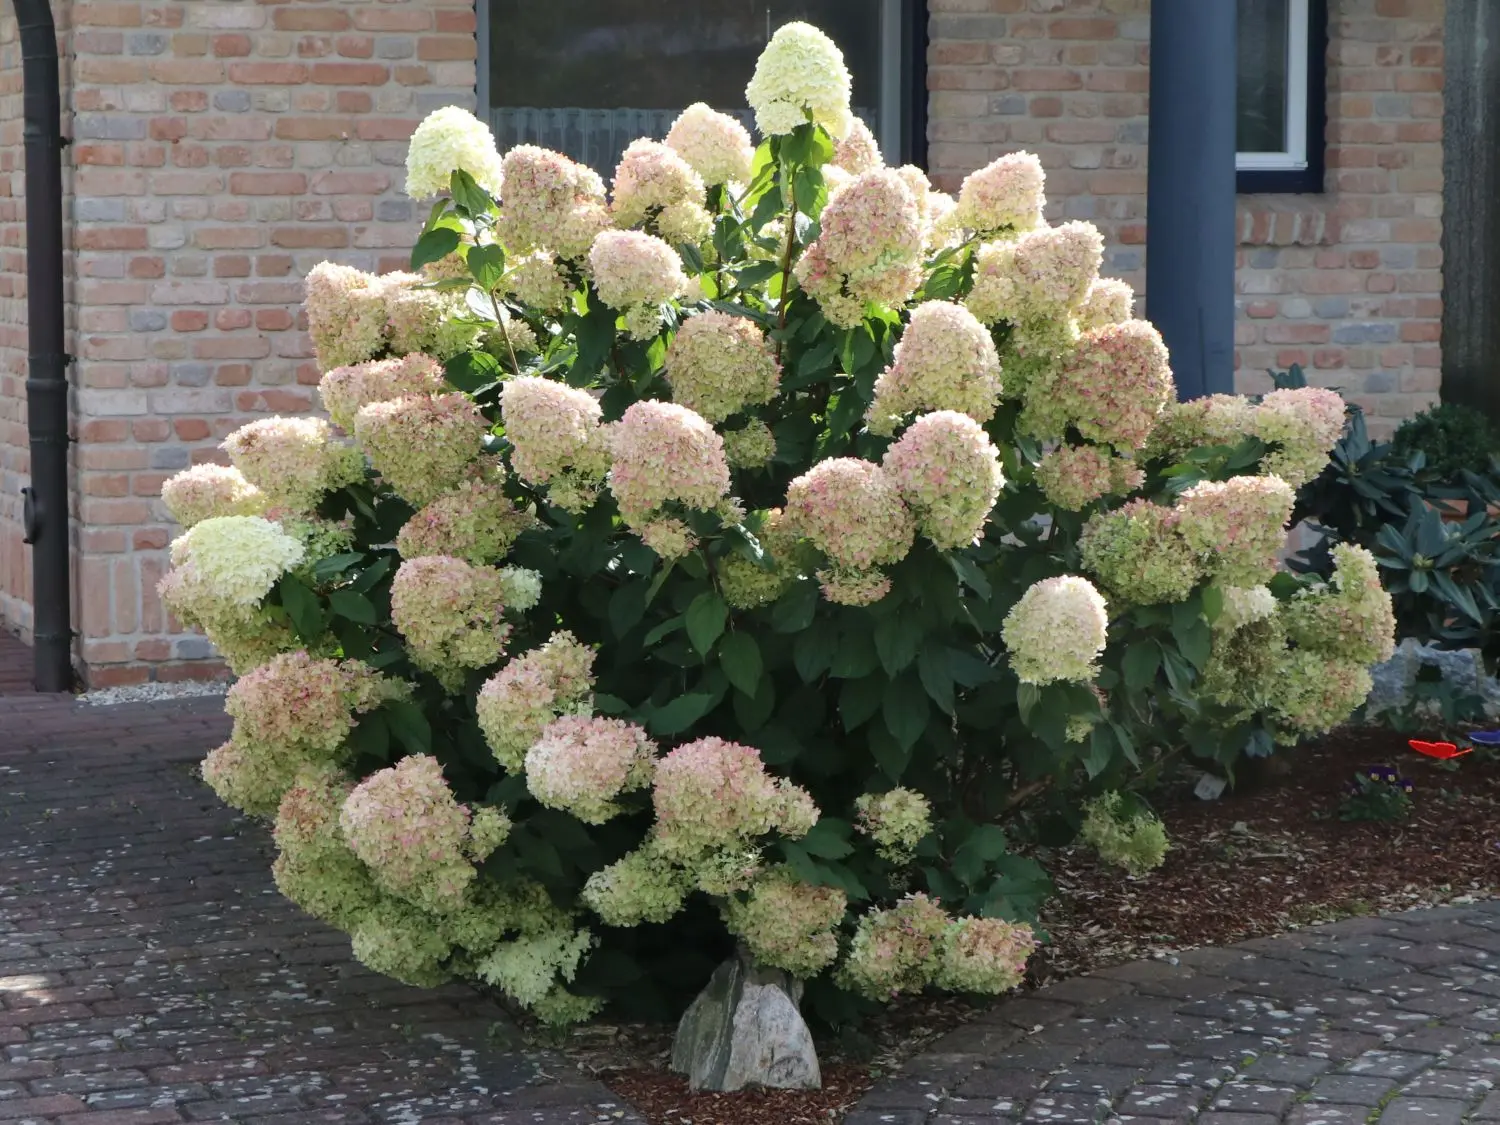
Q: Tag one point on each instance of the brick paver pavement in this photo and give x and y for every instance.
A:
(1394, 1020)
(150, 973)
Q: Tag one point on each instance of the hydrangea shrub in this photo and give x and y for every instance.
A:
(741, 555)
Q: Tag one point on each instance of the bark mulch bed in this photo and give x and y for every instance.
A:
(1271, 856)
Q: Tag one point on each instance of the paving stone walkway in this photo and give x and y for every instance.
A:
(1394, 1020)
(149, 973)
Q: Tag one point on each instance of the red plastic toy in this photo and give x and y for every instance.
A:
(1442, 751)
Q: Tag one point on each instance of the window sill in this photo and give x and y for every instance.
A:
(1286, 220)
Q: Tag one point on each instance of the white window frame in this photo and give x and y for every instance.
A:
(894, 51)
(1294, 159)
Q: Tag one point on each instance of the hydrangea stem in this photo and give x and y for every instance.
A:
(786, 260)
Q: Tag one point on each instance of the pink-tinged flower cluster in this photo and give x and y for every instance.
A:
(556, 439)
(897, 820)
(1005, 195)
(712, 794)
(519, 701)
(852, 511)
(868, 251)
(858, 152)
(580, 764)
(537, 281)
(664, 453)
(433, 322)
(296, 703)
(718, 364)
(984, 955)
(1073, 476)
(652, 176)
(475, 522)
(448, 612)
(636, 273)
(346, 315)
(1043, 275)
(423, 445)
(1111, 389)
(290, 713)
(1057, 631)
(800, 77)
(948, 472)
(788, 924)
(895, 950)
(315, 868)
(1352, 619)
(945, 360)
(210, 490)
(1305, 424)
(347, 390)
(716, 145)
(1139, 554)
(1238, 526)
(405, 825)
(1108, 301)
(1311, 694)
(551, 203)
(293, 461)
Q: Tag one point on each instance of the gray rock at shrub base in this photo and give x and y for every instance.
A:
(745, 1029)
(1462, 668)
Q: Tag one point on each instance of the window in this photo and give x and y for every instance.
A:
(1280, 109)
(586, 77)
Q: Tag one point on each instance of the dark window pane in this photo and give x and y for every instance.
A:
(586, 77)
(1261, 124)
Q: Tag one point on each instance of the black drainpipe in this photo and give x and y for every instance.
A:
(46, 505)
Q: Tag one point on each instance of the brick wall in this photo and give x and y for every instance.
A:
(1347, 283)
(222, 148)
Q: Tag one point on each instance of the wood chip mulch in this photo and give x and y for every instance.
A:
(1271, 856)
(664, 1099)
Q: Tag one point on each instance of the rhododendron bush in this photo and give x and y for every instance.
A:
(750, 553)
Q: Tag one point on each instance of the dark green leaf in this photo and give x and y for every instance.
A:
(487, 264)
(433, 246)
(352, 605)
(706, 619)
(301, 605)
(471, 372)
(739, 656)
(326, 570)
(795, 609)
(371, 737)
(666, 628)
(889, 755)
(1027, 697)
(409, 726)
(755, 708)
(934, 668)
(468, 194)
(896, 642)
(814, 652)
(906, 710)
(681, 713)
(1101, 750)
(627, 606)
(829, 839)
(859, 700)
(1142, 659)
(1194, 642)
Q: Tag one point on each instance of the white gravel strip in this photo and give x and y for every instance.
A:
(144, 693)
